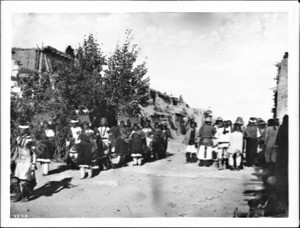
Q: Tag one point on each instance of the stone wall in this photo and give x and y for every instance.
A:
(282, 90)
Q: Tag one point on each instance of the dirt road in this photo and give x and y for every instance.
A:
(164, 188)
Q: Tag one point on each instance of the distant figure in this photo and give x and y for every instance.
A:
(206, 133)
(190, 140)
(252, 135)
(104, 143)
(261, 140)
(49, 140)
(270, 138)
(122, 144)
(158, 141)
(86, 129)
(235, 146)
(282, 141)
(167, 135)
(240, 121)
(147, 129)
(71, 144)
(84, 159)
(223, 143)
(44, 149)
(138, 144)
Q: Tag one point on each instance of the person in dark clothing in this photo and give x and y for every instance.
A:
(252, 134)
(206, 133)
(282, 141)
(84, 159)
(138, 144)
(167, 134)
(190, 140)
(121, 144)
(158, 141)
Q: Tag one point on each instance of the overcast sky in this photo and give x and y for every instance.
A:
(225, 61)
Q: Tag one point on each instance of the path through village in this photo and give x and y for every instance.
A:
(164, 188)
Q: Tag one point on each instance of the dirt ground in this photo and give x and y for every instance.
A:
(164, 188)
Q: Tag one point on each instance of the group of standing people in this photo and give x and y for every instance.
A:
(87, 149)
(105, 148)
(225, 142)
(111, 147)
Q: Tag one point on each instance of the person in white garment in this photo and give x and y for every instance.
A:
(104, 143)
(235, 146)
(223, 143)
(75, 131)
(25, 159)
(219, 130)
(148, 131)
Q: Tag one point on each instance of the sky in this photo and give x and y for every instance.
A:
(222, 61)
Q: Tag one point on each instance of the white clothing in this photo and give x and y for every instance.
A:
(103, 131)
(148, 137)
(205, 153)
(238, 159)
(235, 142)
(191, 149)
(224, 137)
(76, 132)
(222, 153)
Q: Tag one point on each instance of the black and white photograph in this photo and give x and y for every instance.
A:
(138, 113)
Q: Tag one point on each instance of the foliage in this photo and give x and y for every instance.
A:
(83, 84)
(124, 80)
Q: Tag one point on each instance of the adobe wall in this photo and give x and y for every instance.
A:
(27, 57)
(282, 90)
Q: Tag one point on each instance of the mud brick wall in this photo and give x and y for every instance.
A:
(27, 57)
(282, 89)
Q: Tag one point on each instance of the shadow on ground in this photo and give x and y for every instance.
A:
(51, 188)
(60, 169)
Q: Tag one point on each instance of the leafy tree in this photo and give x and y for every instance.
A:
(125, 81)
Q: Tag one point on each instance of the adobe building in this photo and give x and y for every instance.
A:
(40, 60)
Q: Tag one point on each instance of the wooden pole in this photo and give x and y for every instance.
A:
(50, 66)
(46, 63)
(48, 70)
(40, 65)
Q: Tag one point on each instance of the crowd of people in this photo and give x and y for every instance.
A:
(103, 147)
(258, 143)
(88, 150)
